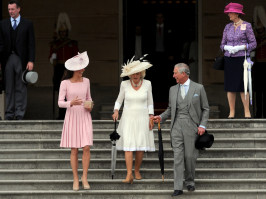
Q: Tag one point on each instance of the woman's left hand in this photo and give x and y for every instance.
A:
(151, 123)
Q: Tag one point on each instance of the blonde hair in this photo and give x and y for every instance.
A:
(142, 74)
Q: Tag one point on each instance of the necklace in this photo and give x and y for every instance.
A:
(236, 24)
(136, 85)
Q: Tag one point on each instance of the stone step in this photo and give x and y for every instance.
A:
(105, 143)
(147, 173)
(100, 163)
(141, 194)
(144, 184)
(109, 124)
(104, 133)
(168, 153)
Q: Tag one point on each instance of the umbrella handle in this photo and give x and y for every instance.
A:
(115, 124)
(159, 126)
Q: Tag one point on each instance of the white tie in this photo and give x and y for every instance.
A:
(183, 92)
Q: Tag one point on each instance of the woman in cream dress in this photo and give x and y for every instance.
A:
(135, 127)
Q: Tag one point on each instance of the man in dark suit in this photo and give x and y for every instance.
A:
(17, 49)
(161, 46)
(189, 111)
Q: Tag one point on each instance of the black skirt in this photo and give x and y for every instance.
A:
(233, 74)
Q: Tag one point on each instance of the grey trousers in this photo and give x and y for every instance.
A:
(183, 137)
(16, 90)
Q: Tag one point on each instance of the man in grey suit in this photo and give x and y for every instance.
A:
(17, 52)
(189, 111)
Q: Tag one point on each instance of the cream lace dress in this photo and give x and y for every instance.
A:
(134, 123)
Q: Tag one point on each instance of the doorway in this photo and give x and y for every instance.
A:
(166, 30)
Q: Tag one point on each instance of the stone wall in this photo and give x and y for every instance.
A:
(94, 26)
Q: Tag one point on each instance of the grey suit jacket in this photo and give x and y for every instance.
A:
(198, 104)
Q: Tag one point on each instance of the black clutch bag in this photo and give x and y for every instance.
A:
(219, 62)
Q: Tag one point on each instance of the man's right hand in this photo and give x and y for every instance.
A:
(157, 119)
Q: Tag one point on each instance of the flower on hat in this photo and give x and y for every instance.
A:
(77, 62)
(132, 67)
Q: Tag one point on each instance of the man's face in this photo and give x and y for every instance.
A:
(62, 34)
(159, 18)
(179, 77)
(13, 10)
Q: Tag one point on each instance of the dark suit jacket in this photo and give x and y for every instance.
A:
(25, 41)
(198, 104)
(169, 40)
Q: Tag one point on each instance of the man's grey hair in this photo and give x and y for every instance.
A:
(182, 67)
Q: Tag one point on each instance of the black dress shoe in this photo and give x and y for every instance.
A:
(177, 193)
(190, 188)
(247, 117)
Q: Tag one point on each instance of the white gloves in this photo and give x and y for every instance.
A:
(228, 48)
(238, 48)
(53, 56)
(234, 49)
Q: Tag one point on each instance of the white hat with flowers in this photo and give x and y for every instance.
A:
(132, 67)
(77, 62)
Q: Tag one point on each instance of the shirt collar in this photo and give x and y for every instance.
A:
(160, 25)
(17, 19)
(187, 83)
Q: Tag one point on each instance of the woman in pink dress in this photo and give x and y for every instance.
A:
(77, 130)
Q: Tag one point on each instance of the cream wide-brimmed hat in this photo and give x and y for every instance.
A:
(78, 62)
(132, 67)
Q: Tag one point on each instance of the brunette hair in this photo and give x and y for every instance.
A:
(68, 74)
(14, 2)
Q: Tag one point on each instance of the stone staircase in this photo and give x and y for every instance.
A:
(33, 166)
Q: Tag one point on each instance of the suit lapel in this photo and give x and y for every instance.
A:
(175, 96)
(191, 92)
(20, 27)
(8, 27)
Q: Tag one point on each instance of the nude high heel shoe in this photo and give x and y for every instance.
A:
(75, 188)
(138, 176)
(129, 180)
(85, 186)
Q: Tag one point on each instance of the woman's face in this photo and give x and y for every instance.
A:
(79, 72)
(232, 16)
(136, 77)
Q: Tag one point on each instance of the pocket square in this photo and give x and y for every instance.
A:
(195, 95)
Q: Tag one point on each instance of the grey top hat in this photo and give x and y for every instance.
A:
(29, 77)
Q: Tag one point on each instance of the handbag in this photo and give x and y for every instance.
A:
(219, 62)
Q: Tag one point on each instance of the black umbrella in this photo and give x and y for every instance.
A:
(113, 137)
(160, 152)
